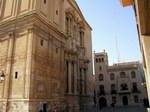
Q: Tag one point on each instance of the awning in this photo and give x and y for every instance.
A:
(125, 3)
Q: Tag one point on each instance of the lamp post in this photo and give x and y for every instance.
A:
(2, 77)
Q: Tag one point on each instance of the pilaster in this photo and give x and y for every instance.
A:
(29, 74)
(9, 68)
(69, 76)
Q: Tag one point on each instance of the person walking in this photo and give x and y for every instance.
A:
(101, 108)
(112, 106)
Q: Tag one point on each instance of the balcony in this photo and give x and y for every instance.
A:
(136, 90)
(101, 93)
(86, 60)
(124, 91)
(113, 91)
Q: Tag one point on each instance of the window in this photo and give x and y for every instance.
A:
(122, 74)
(44, 1)
(112, 76)
(133, 74)
(101, 77)
(102, 59)
(101, 87)
(100, 68)
(124, 86)
(113, 87)
(16, 75)
(114, 99)
(96, 60)
(67, 24)
(136, 99)
(134, 85)
(81, 38)
(57, 50)
(41, 42)
(101, 90)
(56, 12)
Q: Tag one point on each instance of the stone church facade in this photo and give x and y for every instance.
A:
(119, 83)
(45, 56)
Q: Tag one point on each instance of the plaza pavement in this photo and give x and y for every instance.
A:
(120, 109)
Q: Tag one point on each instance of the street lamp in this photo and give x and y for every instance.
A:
(2, 77)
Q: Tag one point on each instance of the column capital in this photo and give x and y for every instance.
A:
(31, 29)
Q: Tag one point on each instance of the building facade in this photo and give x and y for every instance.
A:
(45, 56)
(142, 15)
(119, 83)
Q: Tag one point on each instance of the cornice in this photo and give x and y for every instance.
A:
(32, 19)
(79, 12)
(121, 68)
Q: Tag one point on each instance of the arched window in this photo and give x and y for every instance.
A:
(102, 59)
(124, 86)
(133, 74)
(101, 77)
(96, 60)
(99, 59)
(122, 74)
(112, 76)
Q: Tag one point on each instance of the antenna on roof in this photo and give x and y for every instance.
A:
(118, 54)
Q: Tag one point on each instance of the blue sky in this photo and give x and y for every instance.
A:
(109, 20)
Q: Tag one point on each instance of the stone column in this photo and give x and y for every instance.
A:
(66, 76)
(85, 78)
(75, 77)
(83, 38)
(69, 76)
(82, 74)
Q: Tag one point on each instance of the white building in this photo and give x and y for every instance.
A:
(119, 83)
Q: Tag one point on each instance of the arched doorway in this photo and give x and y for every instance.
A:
(125, 100)
(102, 102)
